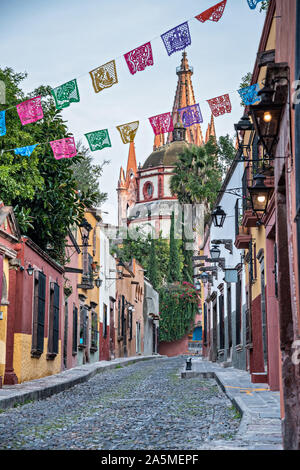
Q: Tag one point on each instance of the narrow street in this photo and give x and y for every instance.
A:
(142, 406)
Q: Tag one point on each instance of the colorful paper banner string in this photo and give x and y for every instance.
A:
(63, 148)
(98, 140)
(25, 151)
(2, 123)
(104, 76)
(30, 111)
(140, 58)
(162, 123)
(177, 38)
(252, 3)
(190, 115)
(66, 94)
(213, 14)
(249, 94)
(220, 105)
(128, 131)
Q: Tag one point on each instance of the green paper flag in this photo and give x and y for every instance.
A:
(65, 94)
(98, 140)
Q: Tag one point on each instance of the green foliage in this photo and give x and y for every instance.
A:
(43, 191)
(264, 5)
(87, 177)
(152, 269)
(139, 247)
(174, 273)
(245, 81)
(178, 307)
(226, 152)
(197, 174)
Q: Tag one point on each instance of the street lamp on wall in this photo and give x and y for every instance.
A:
(266, 117)
(259, 195)
(30, 270)
(215, 253)
(218, 217)
(98, 282)
(241, 127)
(204, 278)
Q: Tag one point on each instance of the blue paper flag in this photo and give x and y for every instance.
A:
(2, 123)
(25, 151)
(177, 38)
(252, 3)
(249, 94)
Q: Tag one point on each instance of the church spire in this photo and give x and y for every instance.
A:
(131, 162)
(211, 131)
(184, 96)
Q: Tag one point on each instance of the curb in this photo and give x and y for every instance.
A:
(246, 415)
(39, 389)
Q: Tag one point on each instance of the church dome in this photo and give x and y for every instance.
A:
(166, 155)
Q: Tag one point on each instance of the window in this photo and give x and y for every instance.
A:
(94, 331)
(83, 326)
(119, 316)
(205, 325)
(75, 329)
(123, 316)
(238, 311)
(221, 321)
(229, 312)
(104, 320)
(53, 320)
(38, 314)
(130, 324)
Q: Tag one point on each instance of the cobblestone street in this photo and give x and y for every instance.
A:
(142, 406)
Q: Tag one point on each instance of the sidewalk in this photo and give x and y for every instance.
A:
(39, 389)
(260, 428)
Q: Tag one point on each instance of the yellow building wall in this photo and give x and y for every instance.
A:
(92, 295)
(3, 322)
(30, 368)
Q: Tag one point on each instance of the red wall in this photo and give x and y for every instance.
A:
(175, 348)
(256, 354)
(104, 353)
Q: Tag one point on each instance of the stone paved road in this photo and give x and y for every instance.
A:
(142, 406)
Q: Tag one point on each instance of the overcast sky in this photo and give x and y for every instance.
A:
(55, 41)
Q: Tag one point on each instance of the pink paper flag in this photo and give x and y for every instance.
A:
(64, 148)
(162, 123)
(30, 110)
(220, 105)
(138, 59)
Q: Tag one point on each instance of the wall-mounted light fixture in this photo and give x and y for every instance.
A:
(30, 270)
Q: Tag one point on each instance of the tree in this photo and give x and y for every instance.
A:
(264, 5)
(174, 272)
(42, 190)
(139, 247)
(226, 153)
(87, 176)
(197, 174)
(152, 265)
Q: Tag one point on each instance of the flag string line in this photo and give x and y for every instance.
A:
(120, 57)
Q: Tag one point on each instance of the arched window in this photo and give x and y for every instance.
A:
(4, 290)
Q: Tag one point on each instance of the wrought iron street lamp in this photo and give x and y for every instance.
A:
(241, 127)
(30, 270)
(98, 282)
(204, 278)
(259, 194)
(218, 217)
(266, 117)
(215, 253)
(197, 285)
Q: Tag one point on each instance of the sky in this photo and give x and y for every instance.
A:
(59, 40)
